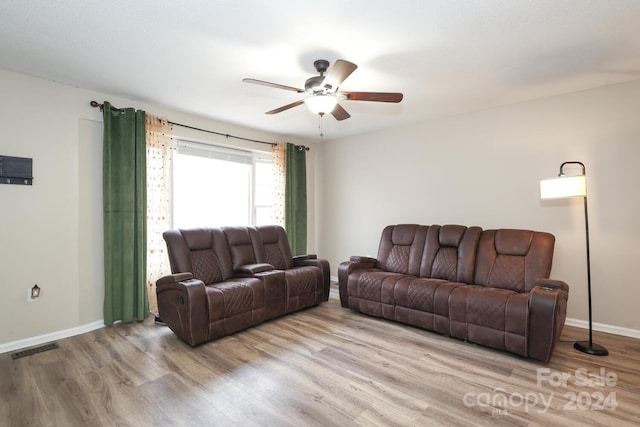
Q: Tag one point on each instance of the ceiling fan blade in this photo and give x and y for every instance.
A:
(338, 72)
(286, 107)
(276, 85)
(340, 113)
(371, 96)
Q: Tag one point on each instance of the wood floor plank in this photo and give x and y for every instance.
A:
(325, 366)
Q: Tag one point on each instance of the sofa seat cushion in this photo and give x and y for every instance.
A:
(234, 305)
(371, 291)
(304, 286)
(424, 302)
(490, 316)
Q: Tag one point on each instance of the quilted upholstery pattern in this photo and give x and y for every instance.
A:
(206, 266)
(508, 273)
(400, 248)
(240, 297)
(420, 295)
(445, 264)
(513, 259)
(302, 280)
(449, 252)
(489, 287)
(369, 287)
(486, 307)
(274, 247)
(221, 284)
(374, 285)
(274, 256)
(207, 248)
(235, 296)
(398, 260)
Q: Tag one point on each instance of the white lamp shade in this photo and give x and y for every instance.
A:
(563, 187)
(321, 104)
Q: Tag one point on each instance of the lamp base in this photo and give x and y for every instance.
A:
(591, 348)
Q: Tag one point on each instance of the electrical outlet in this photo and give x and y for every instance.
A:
(30, 298)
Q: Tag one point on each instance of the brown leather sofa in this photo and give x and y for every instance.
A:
(231, 278)
(489, 287)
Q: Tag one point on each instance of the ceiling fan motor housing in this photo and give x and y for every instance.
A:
(321, 65)
(313, 84)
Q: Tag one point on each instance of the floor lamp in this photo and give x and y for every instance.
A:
(565, 186)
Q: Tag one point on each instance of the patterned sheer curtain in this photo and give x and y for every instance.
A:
(159, 146)
(279, 173)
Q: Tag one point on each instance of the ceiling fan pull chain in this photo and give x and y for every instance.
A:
(320, 115)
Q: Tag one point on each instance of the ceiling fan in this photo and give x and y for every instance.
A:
(323, 93)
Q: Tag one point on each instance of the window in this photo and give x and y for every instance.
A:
(216, 186)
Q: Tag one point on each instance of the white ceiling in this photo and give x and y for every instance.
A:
(447, 56)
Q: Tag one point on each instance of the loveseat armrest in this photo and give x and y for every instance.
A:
(299, 258)
(547, 313)
(182, 305)
(173, 278)
(252, 269)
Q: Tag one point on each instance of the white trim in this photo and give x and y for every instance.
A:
(41, 339)
(334, 278)
(602, 327)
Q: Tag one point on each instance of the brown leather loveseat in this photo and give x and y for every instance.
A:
(231, 278)
(490, 287)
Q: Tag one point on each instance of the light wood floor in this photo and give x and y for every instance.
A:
(326, 366)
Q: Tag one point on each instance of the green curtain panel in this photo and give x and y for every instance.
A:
(295, 198)
(125, 210)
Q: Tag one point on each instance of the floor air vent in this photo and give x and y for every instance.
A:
(34, 350)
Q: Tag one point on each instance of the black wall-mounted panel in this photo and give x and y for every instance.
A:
(16, 170)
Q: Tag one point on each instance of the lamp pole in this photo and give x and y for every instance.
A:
(588, 347)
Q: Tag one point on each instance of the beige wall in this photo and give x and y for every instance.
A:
(480, 168)
(484, 169)
(51, 232)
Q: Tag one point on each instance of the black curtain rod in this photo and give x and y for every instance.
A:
(226, 135)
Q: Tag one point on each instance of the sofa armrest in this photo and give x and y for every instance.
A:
(552, 284)
(299, 258)
(547, 313)
(182, 305)
(251, 269)
(365, 259)
(344, 271)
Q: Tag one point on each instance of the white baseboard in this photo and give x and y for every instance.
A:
(42, 339)
(602, 327)
(334, 278)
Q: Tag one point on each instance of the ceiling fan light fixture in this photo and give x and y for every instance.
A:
(321, 104)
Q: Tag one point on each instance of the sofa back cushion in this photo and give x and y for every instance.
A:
(400, 249)
(274, 247)
(513, 259)
(243, 245)
(450, 252)
(200, 251)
